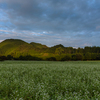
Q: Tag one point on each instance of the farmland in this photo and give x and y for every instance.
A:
(45, 80)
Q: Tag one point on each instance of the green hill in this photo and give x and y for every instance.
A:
(38, 45)
(9, 45)
(53, 49)
(16, 47)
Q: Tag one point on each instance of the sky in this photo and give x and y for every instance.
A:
(72, 23)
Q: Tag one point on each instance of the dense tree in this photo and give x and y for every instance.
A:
(79, 50)
(2, 58)
(29, 57)
(87, 56)
(70, 50)
(59, 50)
(51, 59)
(79, 57)
(98, 57)
(66, 58)
(73, 57)
(9, 57)
(93, 56)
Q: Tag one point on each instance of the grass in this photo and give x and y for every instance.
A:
(42, 80)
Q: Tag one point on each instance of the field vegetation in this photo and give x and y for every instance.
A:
(45, 80)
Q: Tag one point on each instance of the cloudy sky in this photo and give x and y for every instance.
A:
(73, 23)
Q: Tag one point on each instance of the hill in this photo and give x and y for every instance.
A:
(38, 45)
(53, 49)
(15, 47)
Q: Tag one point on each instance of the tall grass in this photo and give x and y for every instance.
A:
(42, 80)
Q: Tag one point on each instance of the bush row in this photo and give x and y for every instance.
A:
(68, 57)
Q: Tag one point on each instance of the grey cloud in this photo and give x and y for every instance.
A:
(66, 14)
(74, 20)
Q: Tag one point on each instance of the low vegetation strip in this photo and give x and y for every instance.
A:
(44, 80)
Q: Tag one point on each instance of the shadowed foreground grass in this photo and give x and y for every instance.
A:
(42, 80)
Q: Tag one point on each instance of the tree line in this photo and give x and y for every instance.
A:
(64, 53)
(67, 57)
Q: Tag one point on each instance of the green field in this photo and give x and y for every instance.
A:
(42, 80)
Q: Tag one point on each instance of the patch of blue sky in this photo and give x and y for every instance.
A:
(3, 16)
(3, 27)
(2, 23)
(90, 2)
(6, 25)
(4, 20)
(3, 5)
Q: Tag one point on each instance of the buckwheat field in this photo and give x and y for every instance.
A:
(44, 80)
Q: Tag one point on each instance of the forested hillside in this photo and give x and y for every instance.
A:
(20, 50)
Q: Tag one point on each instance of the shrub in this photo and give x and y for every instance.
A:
(2, 58)
(77, 57)
(51, 59)
(9, 57)
(66, 58)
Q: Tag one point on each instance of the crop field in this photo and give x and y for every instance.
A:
(44, 80)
